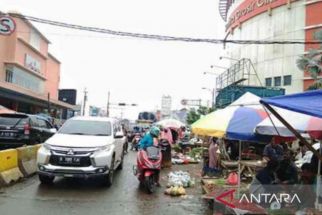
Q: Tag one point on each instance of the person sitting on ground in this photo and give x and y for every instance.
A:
(264, 179)
(287, 171)
(306, 189)
(266, 176)
(273, 151)
(306, 156)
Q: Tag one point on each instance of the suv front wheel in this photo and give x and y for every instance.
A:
(108, 179)
(44, 179)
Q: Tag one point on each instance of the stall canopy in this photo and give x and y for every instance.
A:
(303, 123)
(237, 121)
(307, 103)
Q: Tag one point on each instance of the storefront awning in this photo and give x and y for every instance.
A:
(17, 93)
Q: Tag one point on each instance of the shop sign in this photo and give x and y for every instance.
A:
(32, 63)
(7, 25)
(251, 9)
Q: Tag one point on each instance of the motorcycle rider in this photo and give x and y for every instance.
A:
(151, 138)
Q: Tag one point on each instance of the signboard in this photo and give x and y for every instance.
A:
(7, 25)
(32, 63)
(191, 102)
(250, 8)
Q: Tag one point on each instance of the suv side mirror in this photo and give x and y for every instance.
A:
(119, 134)
(53, 130)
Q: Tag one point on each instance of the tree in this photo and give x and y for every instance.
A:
(194, 115)
(312, 63)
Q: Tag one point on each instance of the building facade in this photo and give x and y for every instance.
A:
(291, 20)
(29, 74)
(166, 103)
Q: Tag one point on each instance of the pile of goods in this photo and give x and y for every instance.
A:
(193, 157)
(177, 183)
(211, 184)
(196, 153)
(175, 191)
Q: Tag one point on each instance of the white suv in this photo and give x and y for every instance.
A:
(83, 147)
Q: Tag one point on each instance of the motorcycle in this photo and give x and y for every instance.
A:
(135, 142)
(148, 167)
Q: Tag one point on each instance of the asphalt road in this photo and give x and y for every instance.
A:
(71, 196)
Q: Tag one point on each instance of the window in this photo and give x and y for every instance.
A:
(35, 40)
(42, 123)
(268, 82)
(287, 80)
(86, 127)
(26, 80)
(9, 76)
(277, 81)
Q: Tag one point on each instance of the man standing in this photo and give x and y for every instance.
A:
(273, 151)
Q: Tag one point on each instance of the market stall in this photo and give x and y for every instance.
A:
(308, 103)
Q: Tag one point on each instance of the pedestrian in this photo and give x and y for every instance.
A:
(273, 151)
(213, 155)
(166, 142)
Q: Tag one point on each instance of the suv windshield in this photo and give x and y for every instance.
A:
(13, 120)
(86, 127)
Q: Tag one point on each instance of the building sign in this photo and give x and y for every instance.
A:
(7, 25)
(251, 8)
(32, 64)
(191, 102)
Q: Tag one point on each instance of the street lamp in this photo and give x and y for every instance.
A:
(212, 95)
(220, 67)
(222, 57)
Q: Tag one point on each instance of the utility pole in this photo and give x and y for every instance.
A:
(108, 104)
(213, 98)
(85, 99)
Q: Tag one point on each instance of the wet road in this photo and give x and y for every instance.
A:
(71, 196)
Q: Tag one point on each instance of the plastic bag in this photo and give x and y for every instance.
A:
(232, 178)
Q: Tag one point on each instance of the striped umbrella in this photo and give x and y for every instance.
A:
(301, 122)
(237, 121)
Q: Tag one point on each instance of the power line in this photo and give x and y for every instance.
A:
(160, 37)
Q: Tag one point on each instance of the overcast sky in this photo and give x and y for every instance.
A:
(134, 70)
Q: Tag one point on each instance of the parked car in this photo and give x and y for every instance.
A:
(83, 147)
(17, 129)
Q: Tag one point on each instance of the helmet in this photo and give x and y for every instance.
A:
(155, 131)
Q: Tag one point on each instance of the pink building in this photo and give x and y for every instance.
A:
(29, 74)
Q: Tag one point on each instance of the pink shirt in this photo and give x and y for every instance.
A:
(167, 136)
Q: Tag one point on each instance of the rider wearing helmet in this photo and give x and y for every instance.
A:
(150, 138)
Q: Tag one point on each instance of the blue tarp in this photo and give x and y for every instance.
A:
(309, 103)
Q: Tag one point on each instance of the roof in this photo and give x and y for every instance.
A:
(23, 18)
(309, 103)
(53, 57)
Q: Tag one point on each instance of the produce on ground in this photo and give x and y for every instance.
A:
(175, 191)
(180, 178)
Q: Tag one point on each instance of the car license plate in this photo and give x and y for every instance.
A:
(69, 160)
(7, 134)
